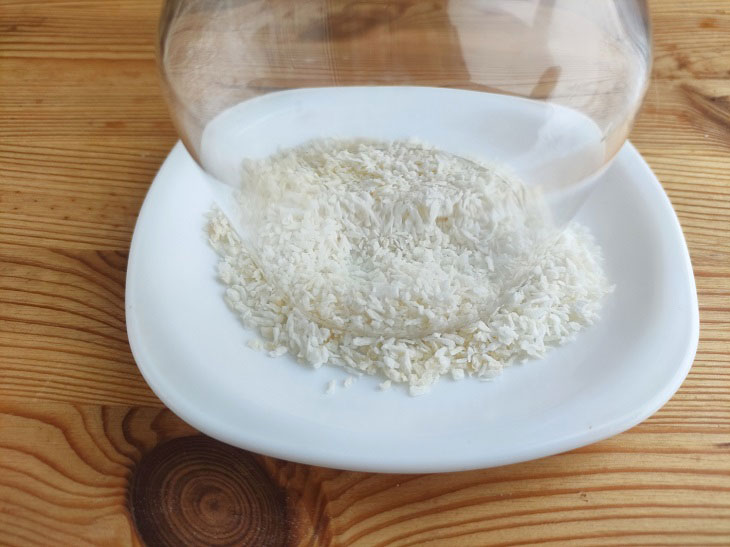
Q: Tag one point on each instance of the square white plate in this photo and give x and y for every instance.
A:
(192, 349)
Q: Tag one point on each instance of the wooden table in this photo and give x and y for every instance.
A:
(83, 129)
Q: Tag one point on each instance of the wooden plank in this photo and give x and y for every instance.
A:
(85, 29)
(67, 470)
(76, 192)
(62, 331)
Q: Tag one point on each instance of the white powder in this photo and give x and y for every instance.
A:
(388, 258)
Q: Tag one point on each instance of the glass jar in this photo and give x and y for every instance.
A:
(548, 90)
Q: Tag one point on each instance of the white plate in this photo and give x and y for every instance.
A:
(192, 350)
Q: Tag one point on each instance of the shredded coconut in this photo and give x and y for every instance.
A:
(385, 258)
(331, 387)
(255, 343)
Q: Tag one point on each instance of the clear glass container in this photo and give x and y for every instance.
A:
(548, 89)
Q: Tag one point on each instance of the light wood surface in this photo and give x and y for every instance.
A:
(83, 129)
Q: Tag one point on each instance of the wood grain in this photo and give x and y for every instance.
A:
(212, 494)
(83, 129)
(62, 330)
(66, 470)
